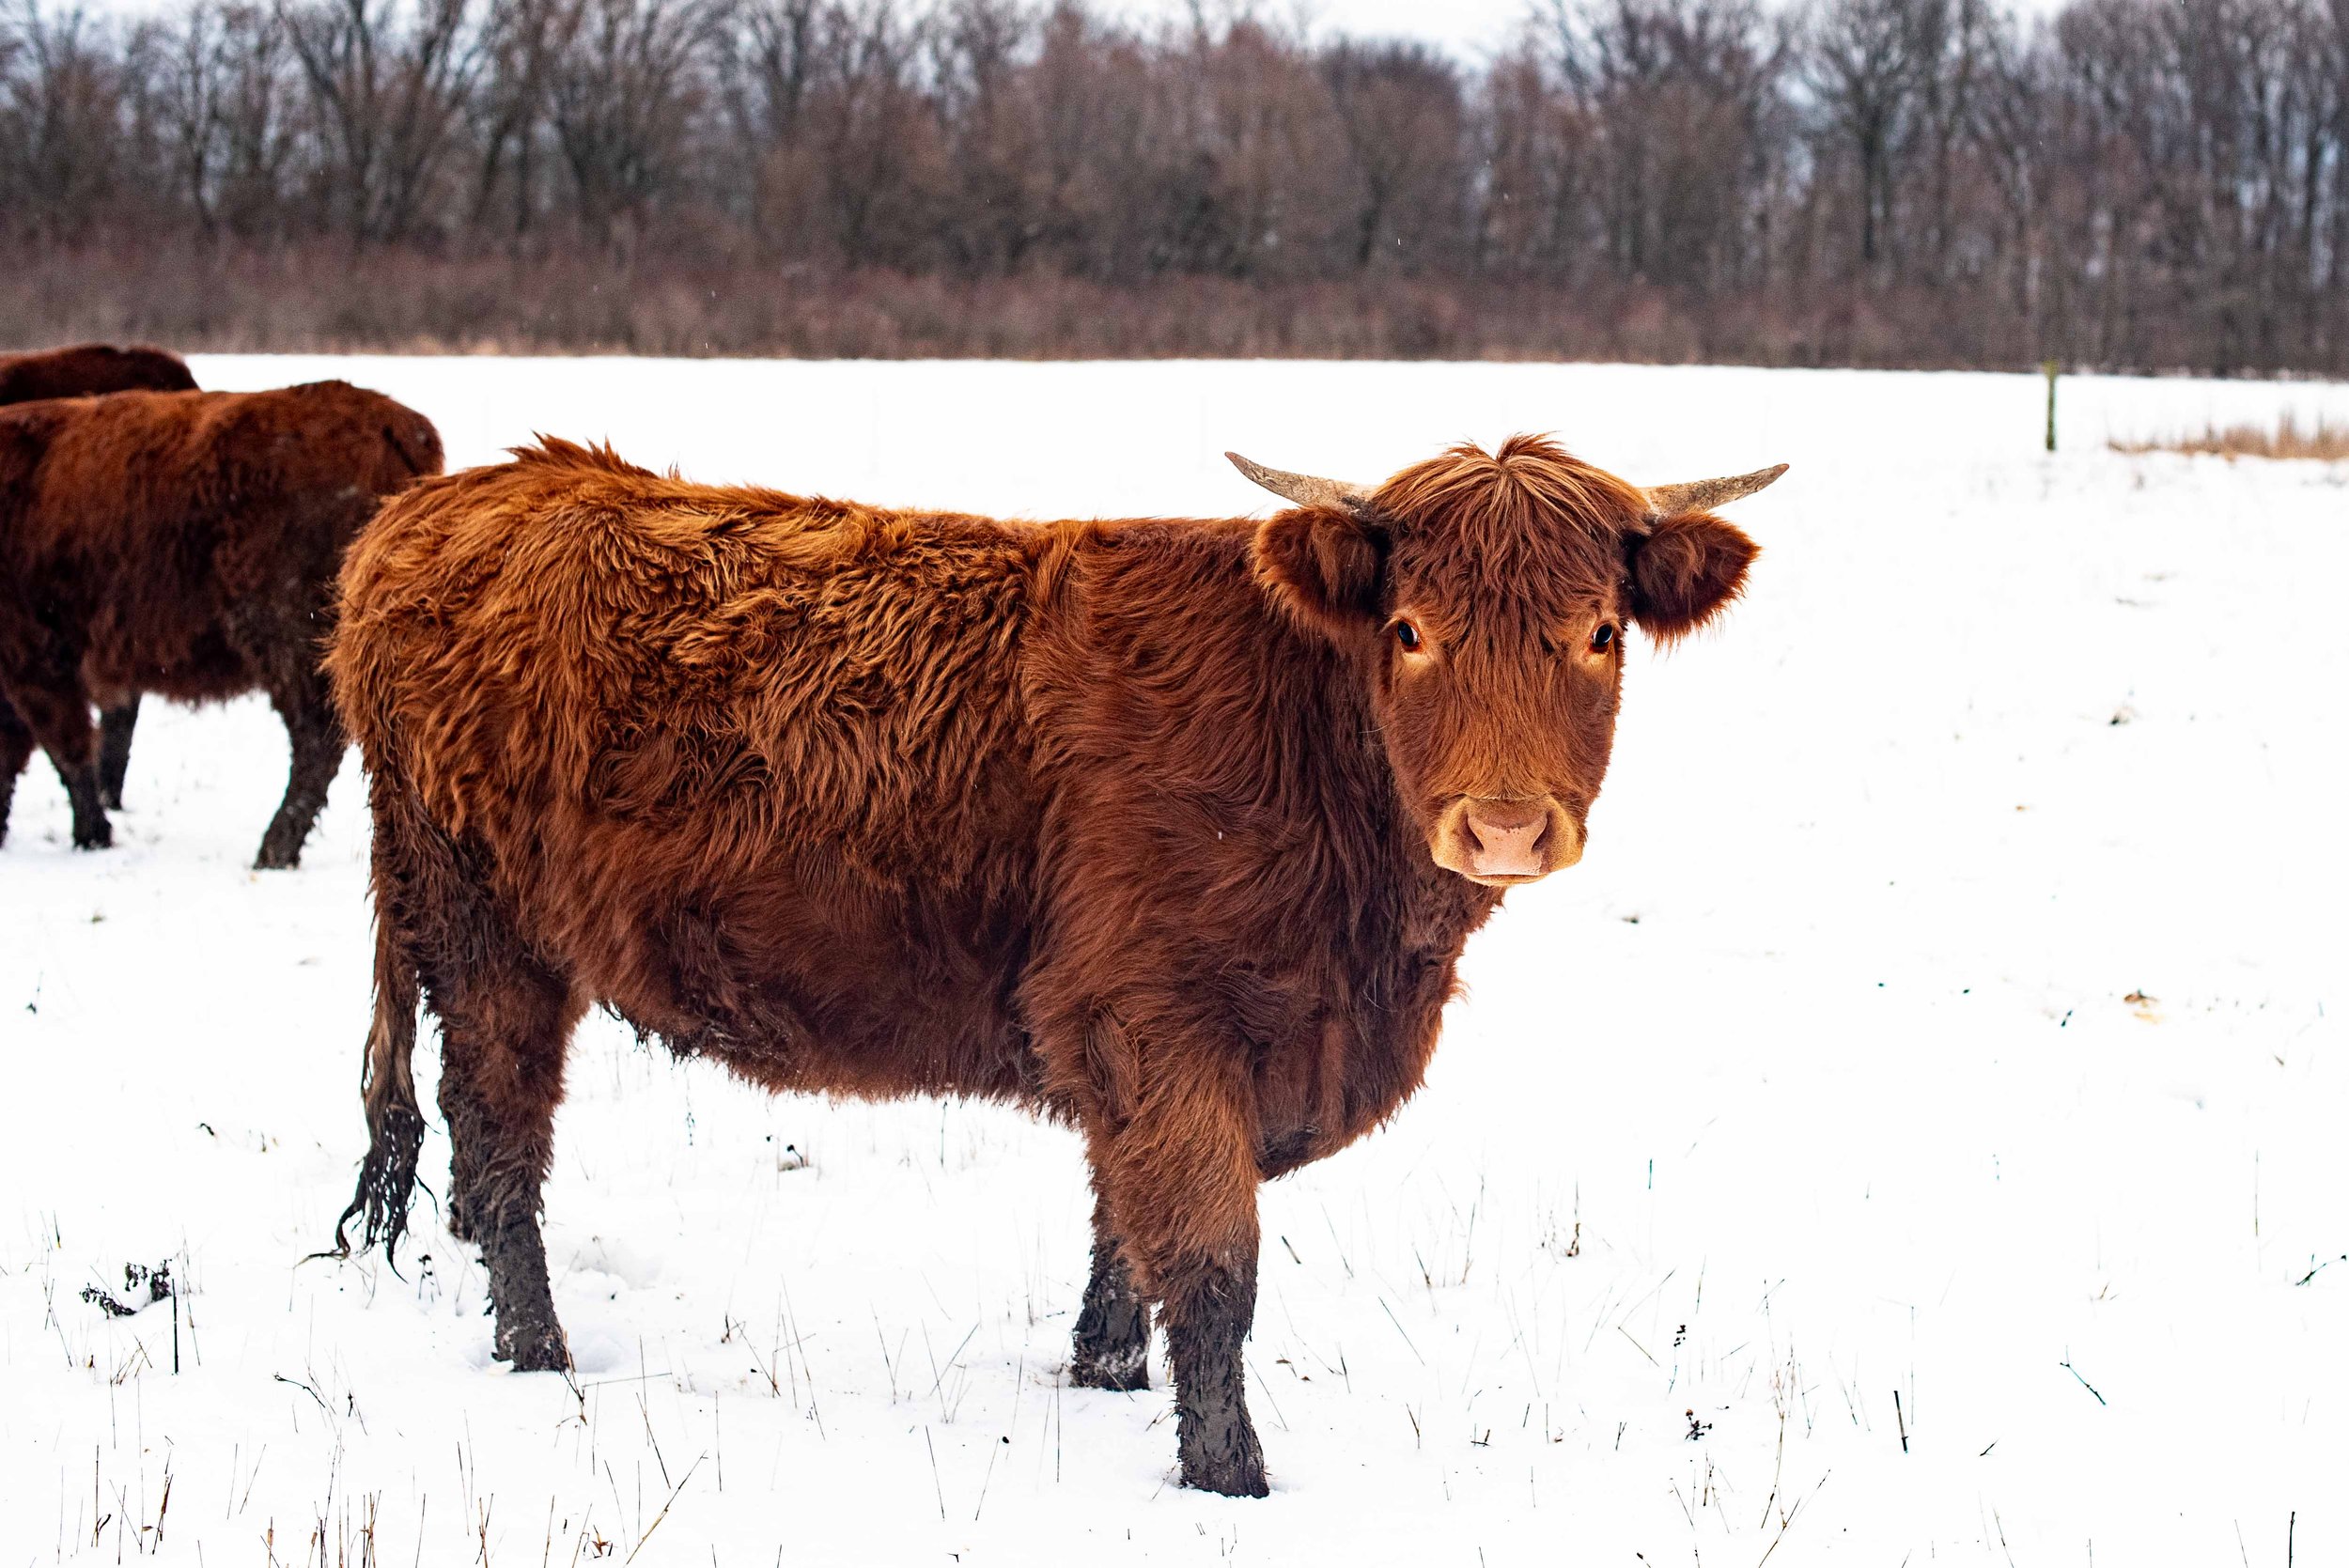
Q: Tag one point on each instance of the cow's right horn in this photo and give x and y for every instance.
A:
(1305, 488)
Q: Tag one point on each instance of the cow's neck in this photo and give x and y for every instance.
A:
(1400, 922)
(1189, 716)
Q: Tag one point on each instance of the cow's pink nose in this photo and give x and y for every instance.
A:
(1508, 837)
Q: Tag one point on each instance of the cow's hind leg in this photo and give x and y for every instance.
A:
(16, 750)
(317, 739)
(115, 725)
(504, 1024)
(1112, 1348)
(55, 708)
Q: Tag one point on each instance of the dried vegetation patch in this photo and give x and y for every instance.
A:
(2287, 438)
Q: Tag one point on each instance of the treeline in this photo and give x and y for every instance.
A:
(2132, 183)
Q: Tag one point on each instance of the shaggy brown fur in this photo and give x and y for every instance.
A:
(1134, 823)
(81, 371)
(185, 543)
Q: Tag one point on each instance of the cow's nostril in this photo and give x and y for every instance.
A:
(1495, 835)
(1509, 822)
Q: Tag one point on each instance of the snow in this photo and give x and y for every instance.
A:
(1818, 1084)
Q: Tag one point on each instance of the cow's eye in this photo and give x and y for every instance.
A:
(1408, 635)
(1604, 638)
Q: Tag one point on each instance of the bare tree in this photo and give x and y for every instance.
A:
(61, 117)
(389, 85)
(623, 97)
(771, 61)
(1681, 95)
(1404, 118)
(507, 115)
(1866, 60)
(221, 89)
(869, 129)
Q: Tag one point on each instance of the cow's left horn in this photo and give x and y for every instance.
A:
(1305, 488)
(1703, 495)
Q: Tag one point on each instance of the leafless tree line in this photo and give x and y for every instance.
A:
(2140, 183)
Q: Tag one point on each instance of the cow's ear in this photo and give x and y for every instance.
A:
(1683, 569)
(1322, 565)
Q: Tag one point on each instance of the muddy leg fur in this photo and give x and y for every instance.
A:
(1206, 1326)
(1112, 1345)
(317, 739)
(503, 1032)
(504, 1024)
(1181, 1177)
(115, 725)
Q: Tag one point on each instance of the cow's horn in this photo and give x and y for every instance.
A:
(1305, 488)
(1703, 495)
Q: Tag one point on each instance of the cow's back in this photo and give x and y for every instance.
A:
(89, 369)
(698, 735)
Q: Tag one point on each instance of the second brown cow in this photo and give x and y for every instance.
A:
(84, 370)
(1171, 830)
(186, 544)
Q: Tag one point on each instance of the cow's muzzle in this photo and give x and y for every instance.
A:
(1501, 843)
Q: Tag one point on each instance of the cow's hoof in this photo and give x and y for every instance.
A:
(534, 1347)
(1124, 1369)
(110, 799)
(1230, 1462)
(1236, 1478)
(277, 857)
(99, 837)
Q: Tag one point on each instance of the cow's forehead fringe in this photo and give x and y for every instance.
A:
(1531, 506)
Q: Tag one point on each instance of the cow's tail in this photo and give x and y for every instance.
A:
(387, 1177)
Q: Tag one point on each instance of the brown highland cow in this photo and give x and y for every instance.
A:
(84, 370)
(1174, 830)
(185, 543)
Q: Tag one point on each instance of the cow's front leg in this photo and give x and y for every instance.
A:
(1208, 1312)
(1181, 1177)
(1112, 1348)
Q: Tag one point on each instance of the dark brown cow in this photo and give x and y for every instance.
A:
(1171, 830)
(89, 368)
(186, 543)
(84, 370)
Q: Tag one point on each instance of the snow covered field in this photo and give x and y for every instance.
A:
(1914, 1133)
